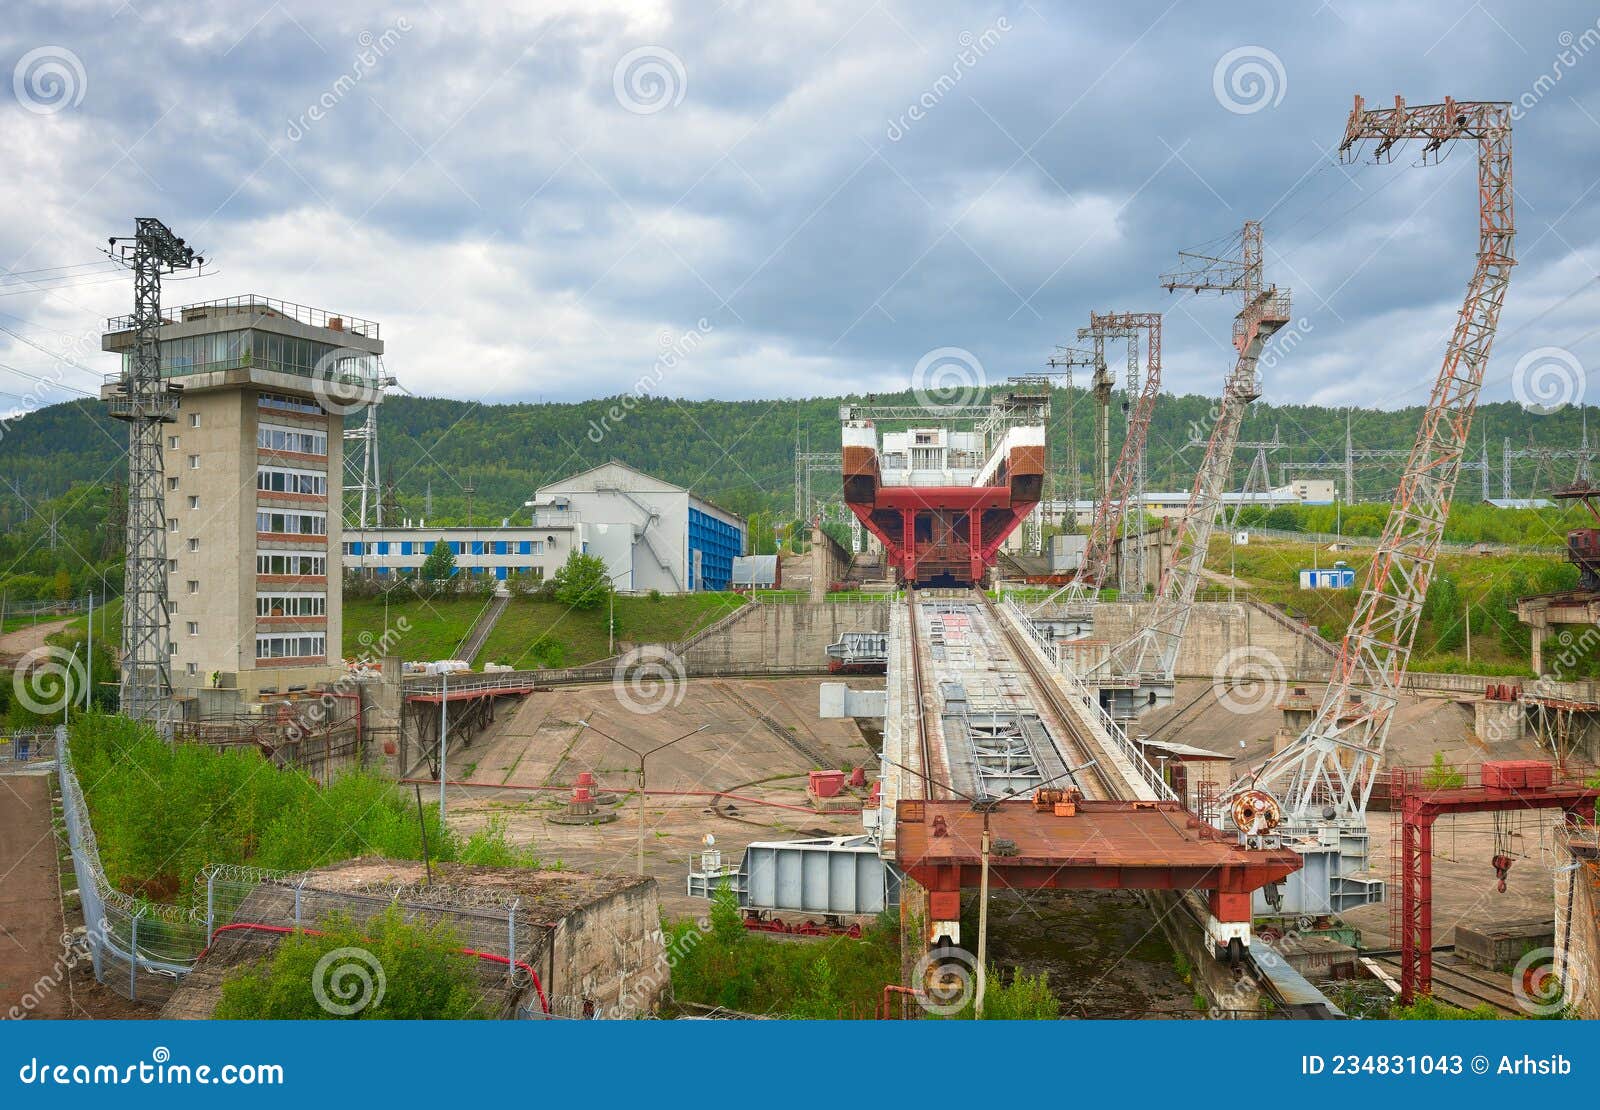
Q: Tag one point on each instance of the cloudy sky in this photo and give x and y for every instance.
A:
(535, 199)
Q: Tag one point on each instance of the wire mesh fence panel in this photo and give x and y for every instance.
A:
(143, 950)
(139, 949)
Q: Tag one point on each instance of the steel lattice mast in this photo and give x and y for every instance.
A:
(147, 403)
(1150, 654)
(1065, 359)
(1119, 489)
(1325, 777)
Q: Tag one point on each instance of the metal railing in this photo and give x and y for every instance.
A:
(313, 317)
(1107, 733)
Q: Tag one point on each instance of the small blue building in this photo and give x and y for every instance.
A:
(1336, 577)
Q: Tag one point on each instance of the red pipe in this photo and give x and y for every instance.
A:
(651, 793)
(285, 930)
(895, 988)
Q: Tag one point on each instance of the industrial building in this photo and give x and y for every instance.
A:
(652, 534)
(252, 486)
(537, 550)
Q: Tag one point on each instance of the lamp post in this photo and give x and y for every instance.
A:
(444, 736)
(611, 610)
(643, 756)
(985, 805)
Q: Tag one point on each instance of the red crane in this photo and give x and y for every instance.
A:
(1496, 787)
(1112, 508)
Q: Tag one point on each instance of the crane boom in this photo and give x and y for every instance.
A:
(1142, 666)
(1112, 507)
(1322, 780)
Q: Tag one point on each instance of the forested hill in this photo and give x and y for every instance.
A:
(739, 453)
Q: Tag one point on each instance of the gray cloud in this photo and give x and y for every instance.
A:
(836, 189)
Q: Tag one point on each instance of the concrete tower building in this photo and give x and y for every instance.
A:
(253, 470)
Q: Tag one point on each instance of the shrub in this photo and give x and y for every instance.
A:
(389, 969)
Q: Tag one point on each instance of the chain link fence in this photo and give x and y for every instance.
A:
(143, 950)
(28, 746)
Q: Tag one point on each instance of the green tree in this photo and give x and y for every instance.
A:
(387, 968)
(63, 585)
(1442, 609)
(440, 563)
(582, 582)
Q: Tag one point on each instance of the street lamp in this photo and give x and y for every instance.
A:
(642, 757)
(611, 610)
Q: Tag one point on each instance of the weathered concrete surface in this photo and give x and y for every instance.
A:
(542, 743)
(1215, 629)
(783, 635)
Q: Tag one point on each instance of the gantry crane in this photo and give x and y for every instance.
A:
(1313, 794)
(1126, 480)
(1137, 674)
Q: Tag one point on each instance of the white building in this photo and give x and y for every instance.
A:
(652, 534)
(537, 549)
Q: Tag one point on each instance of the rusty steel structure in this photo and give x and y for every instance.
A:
(1125, 483)
(1324, 778)
(1506, 786)
(1143, 664)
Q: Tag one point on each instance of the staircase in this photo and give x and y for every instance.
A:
(478, 634)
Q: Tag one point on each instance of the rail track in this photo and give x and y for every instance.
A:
(1458, 983)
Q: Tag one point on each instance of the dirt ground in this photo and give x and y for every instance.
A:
(20, 641)
(1464, 885)
(543, 743)
(30, 901)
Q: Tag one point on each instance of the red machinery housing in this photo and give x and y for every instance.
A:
(946, 536)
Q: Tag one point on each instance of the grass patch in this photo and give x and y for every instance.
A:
(535, 633)
(726, 965)
(424, 975)
(162, 814)
(437, 625)
(1489, 584)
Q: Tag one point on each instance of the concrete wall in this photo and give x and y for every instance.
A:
(609, 957)
(783, 635)
(1215, 629)
(829, 562)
